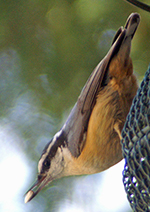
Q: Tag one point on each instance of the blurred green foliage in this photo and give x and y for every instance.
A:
(47, 51)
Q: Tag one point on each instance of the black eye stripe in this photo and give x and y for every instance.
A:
(46, 164)
(60, 142)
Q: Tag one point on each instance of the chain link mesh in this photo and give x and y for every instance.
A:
(136, 149)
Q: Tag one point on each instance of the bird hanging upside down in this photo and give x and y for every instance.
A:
(89, 141)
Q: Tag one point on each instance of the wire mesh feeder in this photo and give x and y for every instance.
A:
(136, 149)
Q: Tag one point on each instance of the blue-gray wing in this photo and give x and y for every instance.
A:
(76, 125)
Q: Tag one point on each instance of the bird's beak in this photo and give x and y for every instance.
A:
(36, 188)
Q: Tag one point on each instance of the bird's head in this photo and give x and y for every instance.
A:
(52, 164)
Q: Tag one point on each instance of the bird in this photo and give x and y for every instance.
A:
(89, 141)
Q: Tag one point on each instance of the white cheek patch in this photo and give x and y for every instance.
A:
(58, 157)
(67, 155)
(57, 164)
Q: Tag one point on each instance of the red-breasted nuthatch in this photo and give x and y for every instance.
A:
(89, 141)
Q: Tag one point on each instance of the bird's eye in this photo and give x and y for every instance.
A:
(46, 163)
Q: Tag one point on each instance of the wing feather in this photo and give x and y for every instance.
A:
(77, 122)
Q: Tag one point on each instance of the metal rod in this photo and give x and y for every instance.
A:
(140, 5)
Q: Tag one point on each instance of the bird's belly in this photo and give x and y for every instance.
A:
(102, 147)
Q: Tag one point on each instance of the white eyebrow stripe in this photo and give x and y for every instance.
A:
(48, 150)
(54, 140)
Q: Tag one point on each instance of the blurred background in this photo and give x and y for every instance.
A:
(47, 51)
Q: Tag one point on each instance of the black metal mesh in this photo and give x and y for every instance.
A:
(136, 149)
